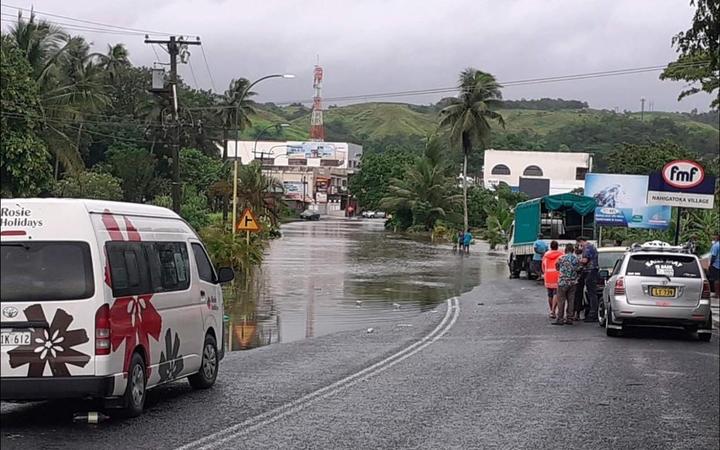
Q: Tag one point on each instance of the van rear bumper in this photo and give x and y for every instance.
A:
(55, 387)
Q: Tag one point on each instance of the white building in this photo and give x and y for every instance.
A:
(314, 171)
(558, 172)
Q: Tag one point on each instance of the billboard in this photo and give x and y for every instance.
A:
(293, 189)
(622, 202)
(683, 184)
(322, 150)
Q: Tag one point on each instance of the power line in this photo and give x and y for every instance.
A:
(207, 66)
(81, 28)
(91, 22)
(512, 83)
(192, 72)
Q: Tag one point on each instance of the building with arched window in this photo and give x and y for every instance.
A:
(536, 173)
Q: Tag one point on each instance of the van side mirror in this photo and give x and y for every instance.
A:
(225, 275)
(604, 274)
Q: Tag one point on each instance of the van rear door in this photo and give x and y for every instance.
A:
(47, 291)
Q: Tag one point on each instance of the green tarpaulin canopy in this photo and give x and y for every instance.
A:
(580, 204)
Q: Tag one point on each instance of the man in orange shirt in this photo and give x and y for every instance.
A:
(551, 275)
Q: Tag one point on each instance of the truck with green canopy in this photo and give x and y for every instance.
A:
(561, 217)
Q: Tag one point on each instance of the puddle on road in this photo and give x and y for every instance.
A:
(328, 276)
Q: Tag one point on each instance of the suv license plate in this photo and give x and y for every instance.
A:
(662, 291)
(14, 338)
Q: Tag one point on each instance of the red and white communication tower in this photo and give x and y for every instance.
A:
(317, 129)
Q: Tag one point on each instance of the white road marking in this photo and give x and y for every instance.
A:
(218, 438)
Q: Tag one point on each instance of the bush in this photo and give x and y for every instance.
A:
(90, 184)
(193, 207)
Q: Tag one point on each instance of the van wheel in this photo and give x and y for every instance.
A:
(134, 397)
(207, 374)
(704, 337)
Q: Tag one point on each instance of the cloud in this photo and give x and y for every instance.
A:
(380, 46)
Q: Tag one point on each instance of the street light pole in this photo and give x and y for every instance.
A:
(237, 139)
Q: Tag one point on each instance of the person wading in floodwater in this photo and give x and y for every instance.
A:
(551, 275)
(467, 240)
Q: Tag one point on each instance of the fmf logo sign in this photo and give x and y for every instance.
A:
(683, 174)
(683, 184)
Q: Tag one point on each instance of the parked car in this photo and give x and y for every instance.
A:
(379, 215)
(607, 257)
(310, 215)
(368, 214)
(657, 284)
(104, 300)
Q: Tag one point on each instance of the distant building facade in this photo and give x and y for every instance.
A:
(314, 174)
(536, 173)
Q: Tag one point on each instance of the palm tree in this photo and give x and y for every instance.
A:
(426, 189)
(261, 193)
(69, 83)
(235, 109)
(469, 115)
(115, 60)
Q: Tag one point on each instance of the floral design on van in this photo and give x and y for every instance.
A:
(171, 363)
(133, 319)
(51, 346)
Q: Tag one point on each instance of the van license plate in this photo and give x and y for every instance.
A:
(662, 291)
(14, 338)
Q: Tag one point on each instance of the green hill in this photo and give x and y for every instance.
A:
(571, 129)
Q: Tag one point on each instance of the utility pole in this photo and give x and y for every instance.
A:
(173, 48)
(642, 108)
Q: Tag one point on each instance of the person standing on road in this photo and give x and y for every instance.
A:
(550, 272)
(580, 286)
(467, 239)
(539, 249)
(714, 267)
(590, 262)
(567, 267)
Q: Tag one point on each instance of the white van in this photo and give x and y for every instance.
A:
(104, 300)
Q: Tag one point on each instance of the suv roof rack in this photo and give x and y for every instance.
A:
(660, 246)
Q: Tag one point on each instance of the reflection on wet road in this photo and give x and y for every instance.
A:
(334, 275)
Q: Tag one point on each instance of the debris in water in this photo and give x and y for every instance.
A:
(404, 325)
(396, 305)
(90, 417)
(481, 303)
(370, 330)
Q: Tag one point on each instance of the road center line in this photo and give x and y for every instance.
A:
(247, 426)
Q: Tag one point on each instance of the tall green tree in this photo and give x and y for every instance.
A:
(425, 188)
(641, 159)
(135, 167)
(699, 49)
(234, 109)
(24, 166)
(469, 117)
(371, 183)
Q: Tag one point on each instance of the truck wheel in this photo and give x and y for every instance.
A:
(207, 374)
(134, 397)
(514, 267)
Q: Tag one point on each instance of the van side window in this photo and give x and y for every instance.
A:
(128, 269)
(173, 259)
(204, 267)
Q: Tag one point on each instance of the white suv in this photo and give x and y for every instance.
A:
(657, 284)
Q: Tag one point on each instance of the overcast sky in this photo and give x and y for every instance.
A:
(374, 46)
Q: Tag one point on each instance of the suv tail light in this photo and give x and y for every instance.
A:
(620, 286)
(706, 290)
(102, 330)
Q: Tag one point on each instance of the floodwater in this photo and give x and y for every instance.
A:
(334, 275)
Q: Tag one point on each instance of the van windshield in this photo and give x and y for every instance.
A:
(45, 271)
(663, 266)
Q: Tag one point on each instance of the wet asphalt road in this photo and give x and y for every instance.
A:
(499, 377)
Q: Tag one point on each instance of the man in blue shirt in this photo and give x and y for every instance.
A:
(714, 269)
(589, 261)
(539, 249)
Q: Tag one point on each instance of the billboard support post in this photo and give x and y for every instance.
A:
(677, 226)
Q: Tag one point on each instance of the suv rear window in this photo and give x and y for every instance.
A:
(45, 271)
(663, 265)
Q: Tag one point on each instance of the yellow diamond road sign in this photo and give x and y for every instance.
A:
(248, 222)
